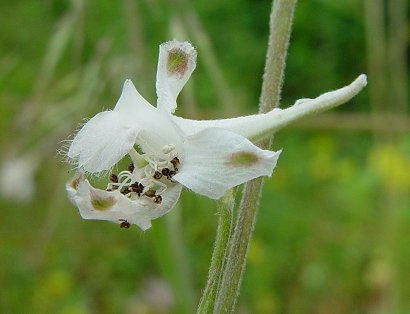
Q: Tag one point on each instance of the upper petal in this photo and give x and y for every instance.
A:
(216, 160)
(157, 129)
(102, 142)
(177, 61)
(132, 104)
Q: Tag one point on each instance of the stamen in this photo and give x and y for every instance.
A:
(123, 179)
(125, 191)
(131, 167)
(150, 183)
(175, 163)
(146, 180)
(150, 193)
(124, 223)
(124, 173)
(111, 187)
(137, 188)
(157, 175)
(114, 178)
(157, 199)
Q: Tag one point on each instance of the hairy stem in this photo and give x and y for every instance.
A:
(280, 28)
(225, 208)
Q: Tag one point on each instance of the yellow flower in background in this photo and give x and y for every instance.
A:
(391, 165)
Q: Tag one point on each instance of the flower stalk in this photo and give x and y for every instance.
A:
(280, 28)
(225, 207)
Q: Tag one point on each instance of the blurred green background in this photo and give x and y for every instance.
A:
(333, 232)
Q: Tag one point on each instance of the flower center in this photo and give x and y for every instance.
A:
(149, 181)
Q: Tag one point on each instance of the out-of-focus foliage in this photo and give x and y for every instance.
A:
(333, 234)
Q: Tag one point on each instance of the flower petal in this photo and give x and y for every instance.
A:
(110, 135)
(132, 105)
(102, 142)
(157, 129)
(177, 61)
(112, 206)
(255, 127)
(216, 160)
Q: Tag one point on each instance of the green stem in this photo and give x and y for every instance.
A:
(280, 28)
(172, 259)
(225, 208)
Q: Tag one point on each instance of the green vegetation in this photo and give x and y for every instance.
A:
(333, 232)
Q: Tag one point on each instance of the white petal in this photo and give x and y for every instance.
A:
(72, 186)
(169, 199)
(216, 160)
(177, 61)
(110, 135)
(257, 126)
(157, 129)
(102, 142)
(131, 104)
(115, 207)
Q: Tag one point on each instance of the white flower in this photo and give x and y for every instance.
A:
(168, 152)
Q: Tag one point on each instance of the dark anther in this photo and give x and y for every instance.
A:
(114, 178)
(175, 163)
(157, 175)
(125, 191)
(165, 172)
(137, 188)
(157, 199)
(131, 167)
(108, 190)
(170, 175)
(124, 224)
(150, 193)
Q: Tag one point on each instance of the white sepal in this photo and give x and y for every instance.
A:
(216, 160)
(115, 206)
(255, 127)
(102, 142)
(177, 61)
